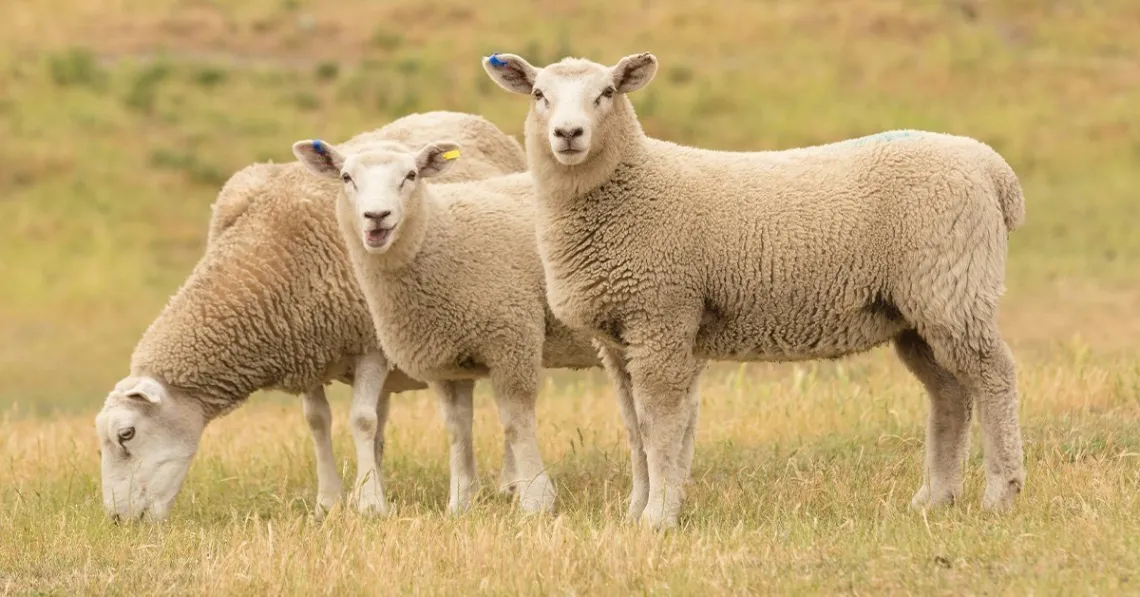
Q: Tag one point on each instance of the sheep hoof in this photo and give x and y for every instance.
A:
(508, 487)
(536, 496)
(1000, 494)
(371, 504)
(455, 508)
(636, 508)
(325, 504)
(925, 499)
(656, 521)
(378, 509)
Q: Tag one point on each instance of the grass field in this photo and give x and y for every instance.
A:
(121, 118)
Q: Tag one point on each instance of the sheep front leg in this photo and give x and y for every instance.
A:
(515, 395)
(687, 443)
(614, 364)
(663, 375)
(368, 386)
(319, 416)
(455, 404)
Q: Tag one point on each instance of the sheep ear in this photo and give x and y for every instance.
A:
(634, 72)
(319, 157)
(144, 388)
(435, 158)
(511, 72)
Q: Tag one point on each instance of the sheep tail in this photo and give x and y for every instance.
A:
(1010, 197)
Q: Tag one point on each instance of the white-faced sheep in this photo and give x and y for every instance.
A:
(272, 304)
(673, 255)
(454, 284)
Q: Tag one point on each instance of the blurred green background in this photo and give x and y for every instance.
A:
(121, 119)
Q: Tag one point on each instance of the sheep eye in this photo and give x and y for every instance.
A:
(125, 435)
(538, 94)
(411, 175)
(345, 177)
(608, 92)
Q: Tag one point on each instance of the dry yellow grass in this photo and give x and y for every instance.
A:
(122, 117)
(800, 484)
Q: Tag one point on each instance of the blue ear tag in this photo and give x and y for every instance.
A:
(495, 60)
(318, 147)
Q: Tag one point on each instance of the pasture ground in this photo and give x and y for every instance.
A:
(120, 119)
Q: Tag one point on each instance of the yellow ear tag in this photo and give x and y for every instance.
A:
(450, 155)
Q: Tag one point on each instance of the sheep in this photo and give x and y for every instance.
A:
(272, 304)
(672, 256)
(455, 288)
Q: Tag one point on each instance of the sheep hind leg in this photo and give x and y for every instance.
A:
(985, 365)
(455, 402)
(614, 364)
(515, 397)
(319, 416)
(948, 427)
(508, 477)
(368, 385)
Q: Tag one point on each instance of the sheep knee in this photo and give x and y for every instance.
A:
(317, 412)
(364, 421)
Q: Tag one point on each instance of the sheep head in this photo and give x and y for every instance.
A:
(572, 99)
(147, 437)
(380, 183)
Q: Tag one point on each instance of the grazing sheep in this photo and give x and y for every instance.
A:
(272, 304)
(454, 284)
(673, 255)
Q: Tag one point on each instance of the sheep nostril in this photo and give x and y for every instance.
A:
(568, 133)
(377, 215)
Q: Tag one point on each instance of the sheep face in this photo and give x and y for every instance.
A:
(571, 99)
(147, 438)
(379, 185)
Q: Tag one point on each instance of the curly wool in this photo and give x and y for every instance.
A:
(273, 304)
(445, 309)
(670, 256)
(807, 253)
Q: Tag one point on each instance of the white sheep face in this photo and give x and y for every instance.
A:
(146, 441)
(379, 184)
(571, 98)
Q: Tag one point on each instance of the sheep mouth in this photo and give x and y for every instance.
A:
(570, 156)
(377, 237)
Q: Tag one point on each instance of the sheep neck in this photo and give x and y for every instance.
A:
(618, 140)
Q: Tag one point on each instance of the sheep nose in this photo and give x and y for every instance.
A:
(568, 133)
(377, 215)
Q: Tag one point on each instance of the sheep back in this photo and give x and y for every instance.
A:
(273, 303)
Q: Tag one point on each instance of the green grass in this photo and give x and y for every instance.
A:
(121, 118)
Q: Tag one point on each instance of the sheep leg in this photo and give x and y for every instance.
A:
(614, 364)
(319, 416)
(508, 476)
(985, 365)
(515, 397)
(455, 404)
(382, 407)
(948, 427)
(663, 376)
(370, 373)
(687, 447)
(996, 380)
